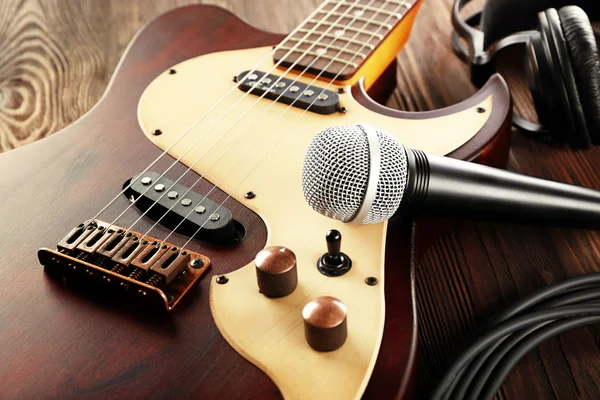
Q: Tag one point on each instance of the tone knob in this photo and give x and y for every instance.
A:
(325, 325)
(276, 271)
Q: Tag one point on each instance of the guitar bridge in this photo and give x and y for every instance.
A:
(115, 261)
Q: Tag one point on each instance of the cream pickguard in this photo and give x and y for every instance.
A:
(260, 147)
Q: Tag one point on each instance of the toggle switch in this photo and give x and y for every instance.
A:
(334, 262)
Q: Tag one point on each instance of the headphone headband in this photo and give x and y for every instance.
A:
(479, 58)
(477, 39)
(465, 28)
(493, 18)
(476, 55)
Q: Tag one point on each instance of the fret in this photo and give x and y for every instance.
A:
(332, 36)
(327, 46)
(359, 25)
(400, 3)
(319, 55)
(357, 18)
(374, 10)
(348, 28)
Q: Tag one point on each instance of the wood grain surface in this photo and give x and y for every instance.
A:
(57, 56)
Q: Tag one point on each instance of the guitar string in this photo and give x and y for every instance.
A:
(403, 4)
(232, 90)
(334, 59)
(312, 31)
(222, 117)
(224, 134)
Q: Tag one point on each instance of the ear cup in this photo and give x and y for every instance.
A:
(557, 43)
(548, 86)
(501, 18)
(583, 54)
(541, 75)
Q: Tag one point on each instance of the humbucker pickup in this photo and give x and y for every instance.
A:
(116, 261)
(288, 91)
(176, 206)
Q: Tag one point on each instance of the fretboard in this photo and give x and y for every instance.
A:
(340, 36)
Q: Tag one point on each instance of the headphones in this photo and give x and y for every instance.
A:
(561, 60)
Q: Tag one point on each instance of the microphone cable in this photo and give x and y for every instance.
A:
(480, 370)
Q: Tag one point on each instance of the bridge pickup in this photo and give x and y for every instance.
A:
(287, 91)
(202, 218)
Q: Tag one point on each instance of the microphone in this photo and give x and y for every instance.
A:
(362, 175)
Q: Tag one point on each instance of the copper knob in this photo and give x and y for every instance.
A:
(325, 325)
(276, 271)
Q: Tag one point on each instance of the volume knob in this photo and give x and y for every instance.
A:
(325, 326)
(276, 271)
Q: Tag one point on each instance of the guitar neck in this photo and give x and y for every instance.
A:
(340, 38)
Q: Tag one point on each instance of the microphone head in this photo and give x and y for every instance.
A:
(355, 173)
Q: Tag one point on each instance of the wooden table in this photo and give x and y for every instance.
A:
(57, 56)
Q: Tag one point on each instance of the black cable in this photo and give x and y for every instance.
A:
(482, 367)
(527, 302)
(479, 374)
(504, 369)
(476, 378)
(582, 296)
(518, 323)
(465, 377)
(547, 293)
(490, 364)
(530, 317)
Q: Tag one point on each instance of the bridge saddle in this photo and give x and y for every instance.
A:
(114, 261)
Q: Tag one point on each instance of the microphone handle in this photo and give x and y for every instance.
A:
(444, 186)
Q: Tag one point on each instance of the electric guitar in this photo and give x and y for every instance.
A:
(148, 212)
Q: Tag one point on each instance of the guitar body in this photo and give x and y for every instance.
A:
(57, 341)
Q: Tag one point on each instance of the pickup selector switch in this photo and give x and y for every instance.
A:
(334, 262)
(276, 271)
(325, 323)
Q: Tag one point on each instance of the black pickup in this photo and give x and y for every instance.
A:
(202, 218)
(287, 91)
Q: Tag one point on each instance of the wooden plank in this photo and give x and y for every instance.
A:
(56, 59)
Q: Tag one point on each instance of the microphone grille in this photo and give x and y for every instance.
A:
(337, 170)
